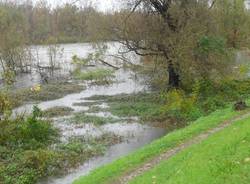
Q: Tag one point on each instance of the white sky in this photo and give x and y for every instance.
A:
(103, 5)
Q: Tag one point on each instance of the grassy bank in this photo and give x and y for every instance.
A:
(222, 158)
(109, 173)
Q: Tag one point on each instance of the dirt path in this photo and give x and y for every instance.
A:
(170, 153)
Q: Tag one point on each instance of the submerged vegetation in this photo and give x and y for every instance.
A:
(190, 57)
(177, 105)
(57, 112)
(97, 76)
(30, 149)
(89, 103)
(46, 92)
(111, 172)
(82, 117)
(144, 105)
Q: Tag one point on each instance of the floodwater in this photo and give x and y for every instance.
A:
(135, 135)
(62, 57)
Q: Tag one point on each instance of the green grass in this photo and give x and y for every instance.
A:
(96, 109)
(96, 120)
(178, 105)
(222, 158)
(57, 111)
(144, 110)
(110, 172)
(98, 76)
(85, 103)
(147, 106)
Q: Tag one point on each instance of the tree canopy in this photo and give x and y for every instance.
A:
(192, 39)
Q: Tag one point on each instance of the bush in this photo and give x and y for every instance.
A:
(40, 160)
(179, 106)
(5, 104)
(205, 97)
(23, 149)
(31, 131)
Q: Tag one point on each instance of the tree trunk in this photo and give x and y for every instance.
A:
(174, 78)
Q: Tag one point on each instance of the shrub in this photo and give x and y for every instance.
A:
(5, 104)
(32, 131)
(179, 106)
(35, 129)
(40, 160)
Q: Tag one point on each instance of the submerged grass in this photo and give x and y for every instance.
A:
(147, 106)
(108, 173)
(47, 92)
(178, 105)
(84, 103)
(96, 109)
(57, 111)
(80, 149)
(96, 120)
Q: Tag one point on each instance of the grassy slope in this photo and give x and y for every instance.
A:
(222, 158)
(110, 172)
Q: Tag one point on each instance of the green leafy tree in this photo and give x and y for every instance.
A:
(188, 39)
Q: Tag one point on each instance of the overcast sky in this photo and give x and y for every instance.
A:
(103, 5)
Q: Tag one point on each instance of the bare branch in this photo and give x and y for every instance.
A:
(108, 64)
(212, 4)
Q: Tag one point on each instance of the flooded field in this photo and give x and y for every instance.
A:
(134, 134)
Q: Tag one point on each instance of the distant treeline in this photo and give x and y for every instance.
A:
(40, 24)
